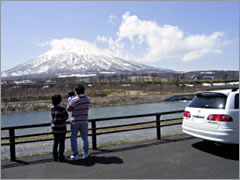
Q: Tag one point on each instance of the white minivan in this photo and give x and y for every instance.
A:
(213, 116)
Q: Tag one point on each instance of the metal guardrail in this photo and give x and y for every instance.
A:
(12, 137)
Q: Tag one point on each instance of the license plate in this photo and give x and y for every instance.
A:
(198, 119)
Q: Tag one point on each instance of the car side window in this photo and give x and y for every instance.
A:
(236, 105)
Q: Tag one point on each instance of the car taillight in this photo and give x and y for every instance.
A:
(219, 117)
(187, 114)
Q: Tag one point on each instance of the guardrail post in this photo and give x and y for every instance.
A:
(12, 144)
(94, 136)
(158, 127)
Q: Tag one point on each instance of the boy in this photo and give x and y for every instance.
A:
(71, 95)
(59, 117)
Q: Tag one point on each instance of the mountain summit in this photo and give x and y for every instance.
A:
(71, 56)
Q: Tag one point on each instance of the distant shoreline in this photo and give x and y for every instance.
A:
(95, 102)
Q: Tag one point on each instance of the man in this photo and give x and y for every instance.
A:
(79, 106)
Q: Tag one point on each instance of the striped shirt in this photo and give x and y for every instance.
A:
(59, 117)
(79, 106)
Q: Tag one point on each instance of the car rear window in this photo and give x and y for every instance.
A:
(236, 105)
(209, 100)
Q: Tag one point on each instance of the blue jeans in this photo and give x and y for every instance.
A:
(83, 128)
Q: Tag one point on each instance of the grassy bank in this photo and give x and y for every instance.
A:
(27, 98)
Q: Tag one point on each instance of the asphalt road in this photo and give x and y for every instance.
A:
(175, 158)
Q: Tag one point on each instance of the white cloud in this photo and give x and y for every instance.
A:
(160, 42)
(80, 47)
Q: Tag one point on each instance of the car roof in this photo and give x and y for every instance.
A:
(223, 91)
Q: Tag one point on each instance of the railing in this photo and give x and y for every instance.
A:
(12, 137)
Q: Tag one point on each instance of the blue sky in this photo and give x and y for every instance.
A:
(178, 35)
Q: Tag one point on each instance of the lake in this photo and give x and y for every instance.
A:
(27, 118)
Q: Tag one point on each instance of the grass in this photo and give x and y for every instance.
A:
(137, 141)
(106, 92)
(109, 94)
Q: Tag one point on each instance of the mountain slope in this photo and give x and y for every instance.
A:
(75, 57)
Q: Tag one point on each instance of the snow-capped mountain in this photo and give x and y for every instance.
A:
(75, 57)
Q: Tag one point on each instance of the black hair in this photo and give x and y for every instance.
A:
(80, 89)
(56, 99)
(71, 94)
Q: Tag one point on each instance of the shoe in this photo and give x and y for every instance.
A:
(74, 158)
(85, 156)
(63, 159)
(55, 158)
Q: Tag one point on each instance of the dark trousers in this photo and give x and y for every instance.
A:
(59, 141)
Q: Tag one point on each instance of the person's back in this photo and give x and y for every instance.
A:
(79, 106)
(59, 117)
